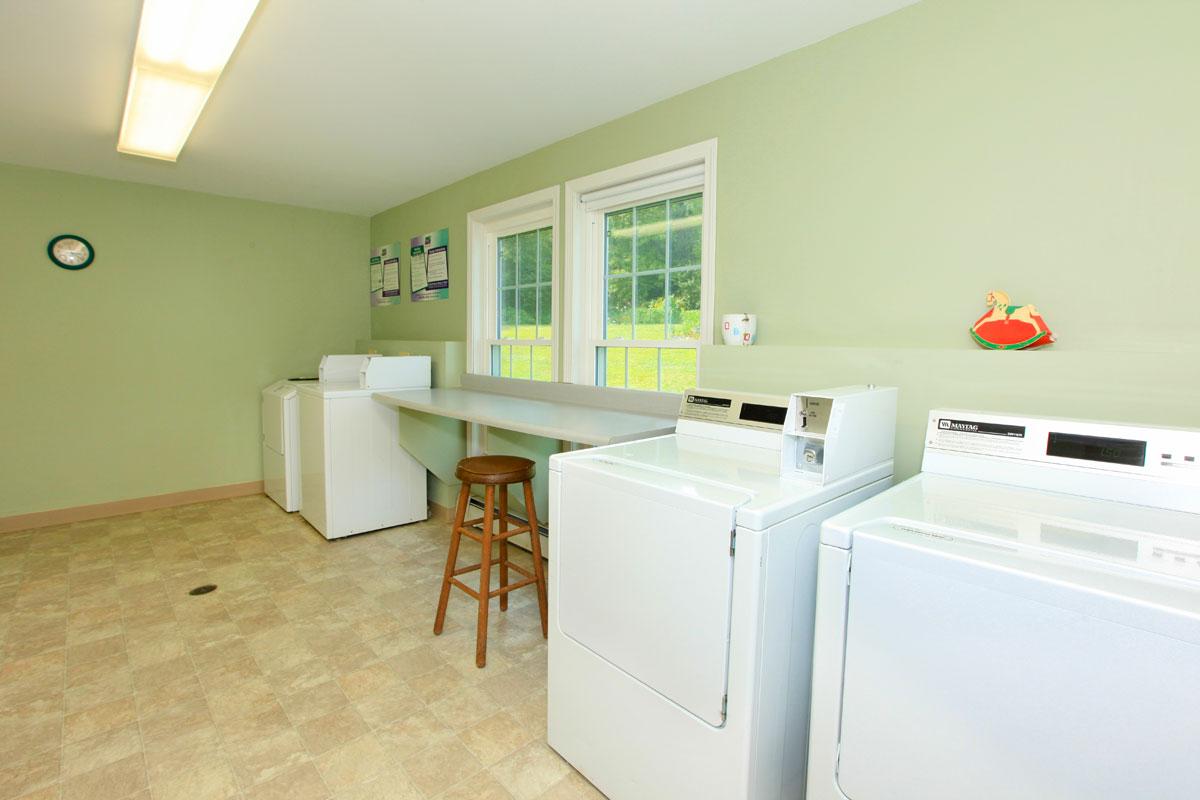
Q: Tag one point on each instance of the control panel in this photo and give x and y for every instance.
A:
(755, 411)
(1141, 464)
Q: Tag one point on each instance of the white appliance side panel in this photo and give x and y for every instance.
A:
(375, 482)
(273, 433)
(833, 575)
(955, 689)
(275, 477)
(313, 462)
(645, 581)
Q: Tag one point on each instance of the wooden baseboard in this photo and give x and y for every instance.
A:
(440, 513)
(62, 516)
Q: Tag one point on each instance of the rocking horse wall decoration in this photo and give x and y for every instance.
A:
(1009, 327)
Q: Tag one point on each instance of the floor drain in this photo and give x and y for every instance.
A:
(205, 589)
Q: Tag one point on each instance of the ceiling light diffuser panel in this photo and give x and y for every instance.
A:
(182, 47)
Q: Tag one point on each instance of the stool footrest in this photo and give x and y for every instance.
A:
(510, 587)
(497, 536)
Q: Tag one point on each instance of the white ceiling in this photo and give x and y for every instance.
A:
(357, 105)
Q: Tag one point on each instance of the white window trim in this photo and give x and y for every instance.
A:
(484, 225)
(586, 197)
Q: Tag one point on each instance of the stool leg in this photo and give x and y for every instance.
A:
(503, 545)
(535, 542)
(485, 578)
(460, 514)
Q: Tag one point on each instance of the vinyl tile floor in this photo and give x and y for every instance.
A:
(310, 672)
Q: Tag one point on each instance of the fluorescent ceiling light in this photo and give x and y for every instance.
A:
(182, 46)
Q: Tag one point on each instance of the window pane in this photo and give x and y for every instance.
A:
(684, 304)
(545, 254)
(651, 237)
(508, 314)
(522, 362)
(619, 241)
(507, 258)
(685, 214)
(527, 257)
(643, 368)
(502, 360)
(649, 322)
(527, 312)
(620, 303)
(545, 308)
(610, 363)
(678, 369)
(541, 363)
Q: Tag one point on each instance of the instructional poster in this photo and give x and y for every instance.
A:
(385, 275)
(429, 261)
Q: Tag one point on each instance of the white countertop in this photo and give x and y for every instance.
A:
(568, 422)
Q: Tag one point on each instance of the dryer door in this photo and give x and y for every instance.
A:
(646, 576)
(992, 672)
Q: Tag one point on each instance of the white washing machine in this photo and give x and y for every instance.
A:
(682, 581)
(355, 476)
(281, 427)
(281, 444)
(1021, 620)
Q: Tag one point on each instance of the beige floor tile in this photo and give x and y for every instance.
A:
(332, 730)
(413, 734)
(99, 719)
(441, 766)
(26, 775)
(388, 706)
(308, 704)
(116, 780)
(213, 780)
(354, 762)
(463, 709)
(393, 785)
(247, 730)
(259, 760)
(111, 687)
(531, 770)
(302, 782)
(100, 750)
(377, 677)
(496, 737)
(480, 786)
(573, 787)
(246, 699)
(306, 651)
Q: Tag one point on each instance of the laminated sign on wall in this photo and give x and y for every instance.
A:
(385, 275)
(429, 259)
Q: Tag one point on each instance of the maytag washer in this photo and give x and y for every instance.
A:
(1020, 620)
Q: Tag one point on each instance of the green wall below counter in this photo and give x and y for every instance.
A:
(140, 375)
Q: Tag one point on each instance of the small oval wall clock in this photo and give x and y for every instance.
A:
(70, 251)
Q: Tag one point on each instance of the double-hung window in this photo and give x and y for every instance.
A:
(643, 237)
(512, 288)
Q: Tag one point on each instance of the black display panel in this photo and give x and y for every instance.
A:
(1130, 452)
(753, 412)
(714, 402)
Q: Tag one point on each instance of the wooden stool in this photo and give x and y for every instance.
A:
(492, 472)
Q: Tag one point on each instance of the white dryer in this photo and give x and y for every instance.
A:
(355, 476)
(1020, 620)
(682, 582)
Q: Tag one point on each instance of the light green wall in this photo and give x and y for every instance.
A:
(141, 374)
(872, 188)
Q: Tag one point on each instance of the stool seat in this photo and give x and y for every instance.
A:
(495, 470)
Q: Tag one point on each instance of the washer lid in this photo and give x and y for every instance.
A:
(1005, 518)
(707, 467)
